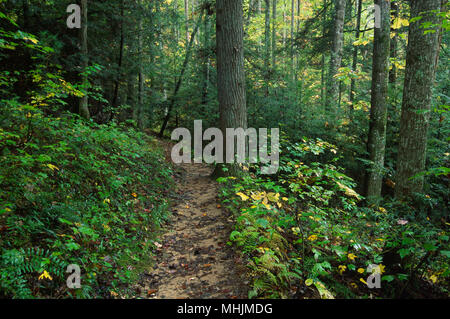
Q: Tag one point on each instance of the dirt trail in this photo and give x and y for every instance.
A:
(194, 260)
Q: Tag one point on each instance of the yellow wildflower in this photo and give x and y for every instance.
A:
(312, 237)
(361, 270)
(351, 256)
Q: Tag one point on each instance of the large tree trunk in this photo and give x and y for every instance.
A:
(332, 95)
(419, 79)
(83, 107)
(355, 52)
(230, 69)
(378, 111)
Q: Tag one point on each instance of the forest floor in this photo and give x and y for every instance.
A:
(193, 259)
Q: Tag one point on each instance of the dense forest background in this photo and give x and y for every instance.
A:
(362, 110)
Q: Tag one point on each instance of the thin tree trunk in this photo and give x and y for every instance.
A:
(355, 53)
(140, 113)
(332, 95)
(186, 16)
(378, 111)
(292, 40)
(394, 40)
(119, 64)
(83, 106)
(322, 80)
(206, 62)
(274, 33)
(267, 48)
(419, 80)
(180, 78)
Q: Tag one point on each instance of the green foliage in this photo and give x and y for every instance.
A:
(308, 226)
(72, 192)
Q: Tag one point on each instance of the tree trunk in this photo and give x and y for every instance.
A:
(355, 53)
(292, 41)
(230, 69)
(267, 47)
(206, 61)
(419, 79)
(83, 108)
(140, 108)
(393, 72)
(186, 16)
(378, 111)
(332, 95)
(119, 63)
(274, 32)
(180, 78)
(322, 80)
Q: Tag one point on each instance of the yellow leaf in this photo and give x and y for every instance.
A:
(351, 256)
(52, 167)
(348, 191)
(399, 22)
(45, 274)
(273, 197)
(257, 196)
(243, 196)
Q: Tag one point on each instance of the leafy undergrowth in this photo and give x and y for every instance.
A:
(76, 193)
(71, 191)
(306, 233)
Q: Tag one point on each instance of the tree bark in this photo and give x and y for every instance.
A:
(419, 79)
(393, 72)
(355, 52)
(274, 32)
(322, 80)
(378, 111)
(292, 41)
(230, 69)
(332, 95)
(186, 16)
(267, 47)
(120, 61)
(83, 108)
(140, 108)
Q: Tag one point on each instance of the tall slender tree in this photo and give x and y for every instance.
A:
(267, 47)
(83, 106)
(274, 32)
(378, 111)
(355, 51)
(332, 95)
(419, 79)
